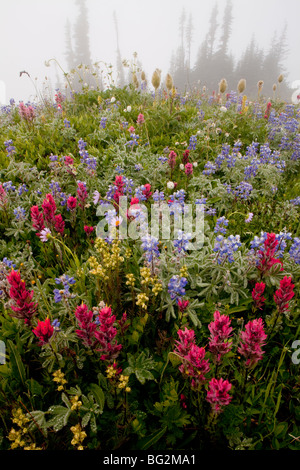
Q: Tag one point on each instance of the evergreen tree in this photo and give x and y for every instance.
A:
(120, 68)
(81, 35)
(273, 64)
(189, 38)
(250, 66)
(224, 64)
(179, 74)
(206, 66)
(69, 54)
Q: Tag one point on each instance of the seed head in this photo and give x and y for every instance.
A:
(241, 85)
(260, 84)
(156, 78)
(223, 86)
(169, 82)
(135, 80)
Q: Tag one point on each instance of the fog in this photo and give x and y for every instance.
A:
(34, 31)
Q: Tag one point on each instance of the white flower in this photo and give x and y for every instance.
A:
(249, 218)
(116, 221)
(181, 166)
(44, 235)
(128, 109)
(113, 99)
(223, 109)
(96, 197)
(195, 164)
(170, 185)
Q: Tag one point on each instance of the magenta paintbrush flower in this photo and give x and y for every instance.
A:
(220, 332)
(44, 331)
(284, 294)
(252, 340)
(194, 365)
(257, 295)
(23, 307)
(217, 394)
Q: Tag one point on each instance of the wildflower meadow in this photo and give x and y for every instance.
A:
(150, 269)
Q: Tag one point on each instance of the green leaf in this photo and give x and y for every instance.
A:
(99, 396)
(142, 375)
(85, 420)
(16, 362)
(150, 440)
(34, 387)
(60, 418)
(281, 430)
(140, 366)
(175, 358)
(37, 421)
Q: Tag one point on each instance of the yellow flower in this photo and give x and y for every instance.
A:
(123, 381)
(111, 372)
(184, 271)
(76, 403)
(130, 280)
(141, 300)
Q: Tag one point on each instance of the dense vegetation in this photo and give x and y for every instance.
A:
(144, 342)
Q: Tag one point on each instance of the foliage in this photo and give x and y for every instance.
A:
(110, 342)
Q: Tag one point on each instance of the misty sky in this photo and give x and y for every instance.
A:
(33, 31)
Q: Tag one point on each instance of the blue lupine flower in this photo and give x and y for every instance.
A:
(281, 238)
(57, 296)
(90, 162)
(222, 222)
(211, 211)
(138, 193)
(296, 201)
(225, 247)
(193, 142)
(202, 200)
(133, 141)
(150, 247)
(228, 188)
(222, 156)
(182, 241)
(243, 190)
(56, 324)
(176, 203)
(210, 168)
(20, 213)
(8, 186)
(158, 196)
(65, 293)
(9, 147)
(8, 262)
(252, 150)
(119, 170)
(176, 287)
(103, 122)
(55, 188)
(295, 250)
(67, 123)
